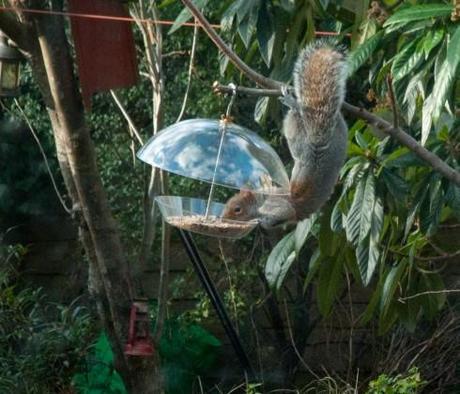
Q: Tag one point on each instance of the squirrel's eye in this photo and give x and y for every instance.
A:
(237, 209)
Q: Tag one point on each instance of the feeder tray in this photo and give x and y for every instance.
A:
(220, 153)
(190, 214)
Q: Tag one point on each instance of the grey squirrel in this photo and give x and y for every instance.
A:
(316, 134)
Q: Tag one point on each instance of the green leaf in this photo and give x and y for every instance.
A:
(265, 34)
(367, 206)
(432, 39)
(419, 12)
(313, 266)
(261, 108)
(444, 80)
(336, 217)
(390, 285)
(279, 261)
(406, 60)
(352, 227)
(431, 303)
(229, 15)
(185, 15)
(329, 283)
(303, 231)
(395, 184)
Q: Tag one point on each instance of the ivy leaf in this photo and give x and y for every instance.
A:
(444, 81)
(419, 12)
(279, 261)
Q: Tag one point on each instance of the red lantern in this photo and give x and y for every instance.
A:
(139, 341)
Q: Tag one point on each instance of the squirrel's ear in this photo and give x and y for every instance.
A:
(246, 193)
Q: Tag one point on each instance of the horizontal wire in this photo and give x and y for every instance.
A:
(123, 18)
(99, 17)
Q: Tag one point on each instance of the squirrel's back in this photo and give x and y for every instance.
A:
(319, 80)
(315, 131)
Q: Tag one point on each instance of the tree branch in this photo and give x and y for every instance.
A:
(446, 291)
(396, 132)
(408, 141)
(15, 30)
(245, 69)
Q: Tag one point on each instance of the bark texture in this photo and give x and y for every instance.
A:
(48, 51)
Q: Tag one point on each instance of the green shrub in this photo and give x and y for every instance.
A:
(399, 384)
(41, 344)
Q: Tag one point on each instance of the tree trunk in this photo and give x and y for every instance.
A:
(53, 70)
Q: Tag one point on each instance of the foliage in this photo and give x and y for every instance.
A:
(186, 351)
(411, 383)
(22, 169)
(99, 375)
(41, 344)
(380, 224)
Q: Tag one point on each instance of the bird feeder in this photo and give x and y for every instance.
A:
(10, 58)
(221, 153)
(139, 341)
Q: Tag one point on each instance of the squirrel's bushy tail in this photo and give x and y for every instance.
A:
(319, 79)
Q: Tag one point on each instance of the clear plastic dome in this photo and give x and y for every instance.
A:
(190, 148)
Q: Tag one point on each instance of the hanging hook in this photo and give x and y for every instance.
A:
(232, 100)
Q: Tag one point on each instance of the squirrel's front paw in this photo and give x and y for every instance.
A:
(287, 98)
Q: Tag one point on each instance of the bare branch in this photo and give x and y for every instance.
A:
(396, 132)
(190, 71)
(446, 291)
(408, 141)
(219, 88)
(127, 117)
(15, 30)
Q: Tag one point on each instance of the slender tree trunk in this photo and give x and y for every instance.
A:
(52, 66)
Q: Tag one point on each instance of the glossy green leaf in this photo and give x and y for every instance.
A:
(247, 26)
(260, 111)
(229, 15)
(367, 207)
(432, 39)
(265, 34)
(405, 60)
(419, 12)
(279, 261)
(444, 80)
(391, 284)
(431, 303)
(354, 214)
(303, 231)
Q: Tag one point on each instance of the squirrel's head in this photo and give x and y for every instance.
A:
(242, 206)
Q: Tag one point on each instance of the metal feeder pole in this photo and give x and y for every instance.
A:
(208, 285)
